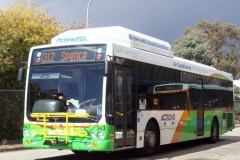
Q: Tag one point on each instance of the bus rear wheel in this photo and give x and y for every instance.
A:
(150, 139)
(214, 137)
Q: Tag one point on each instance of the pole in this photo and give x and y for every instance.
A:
(87, 12)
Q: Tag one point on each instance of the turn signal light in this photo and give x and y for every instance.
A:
(28, 141)
(94, 144)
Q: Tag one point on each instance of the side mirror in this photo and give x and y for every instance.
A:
(20, 74)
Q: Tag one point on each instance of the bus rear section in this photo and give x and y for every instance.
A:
(178, 112)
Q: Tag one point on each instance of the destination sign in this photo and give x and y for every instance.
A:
(69, 54)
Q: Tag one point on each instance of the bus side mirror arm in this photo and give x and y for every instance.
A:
(20, 74)
(108, 68)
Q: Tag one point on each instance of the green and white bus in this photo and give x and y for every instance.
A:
(125, 90)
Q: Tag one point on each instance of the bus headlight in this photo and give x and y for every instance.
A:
(100, 135)
(26, 133)
(93, 135)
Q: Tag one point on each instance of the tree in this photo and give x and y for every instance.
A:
(194, 46)
(21, 27)
(222, 43)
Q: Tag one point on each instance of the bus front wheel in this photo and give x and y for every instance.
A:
(150, 139)
(214, 137)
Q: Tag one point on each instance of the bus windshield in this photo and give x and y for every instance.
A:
(75, 88)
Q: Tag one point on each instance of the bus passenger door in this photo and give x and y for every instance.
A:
(124, 107)
(200, 110)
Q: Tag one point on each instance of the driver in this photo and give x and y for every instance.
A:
(68, 97)
(63, 95)
(64, 91)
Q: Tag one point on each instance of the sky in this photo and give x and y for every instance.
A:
(162, 19)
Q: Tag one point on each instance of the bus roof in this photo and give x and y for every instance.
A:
(126, 41)
(116, 34)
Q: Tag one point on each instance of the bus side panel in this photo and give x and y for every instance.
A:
(208, 117)
(181, 125)
(175, 126)
(225, 121)
(166, 120)
(186, 128)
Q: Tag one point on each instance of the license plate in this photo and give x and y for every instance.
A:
(60, 132)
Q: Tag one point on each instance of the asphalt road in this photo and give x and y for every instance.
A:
(228, 148)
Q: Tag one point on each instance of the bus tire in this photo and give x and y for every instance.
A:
(214, 137)
(150, 139)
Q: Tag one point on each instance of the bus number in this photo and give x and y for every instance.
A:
(48, 57)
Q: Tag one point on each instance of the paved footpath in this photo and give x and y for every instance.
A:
(11, 147)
